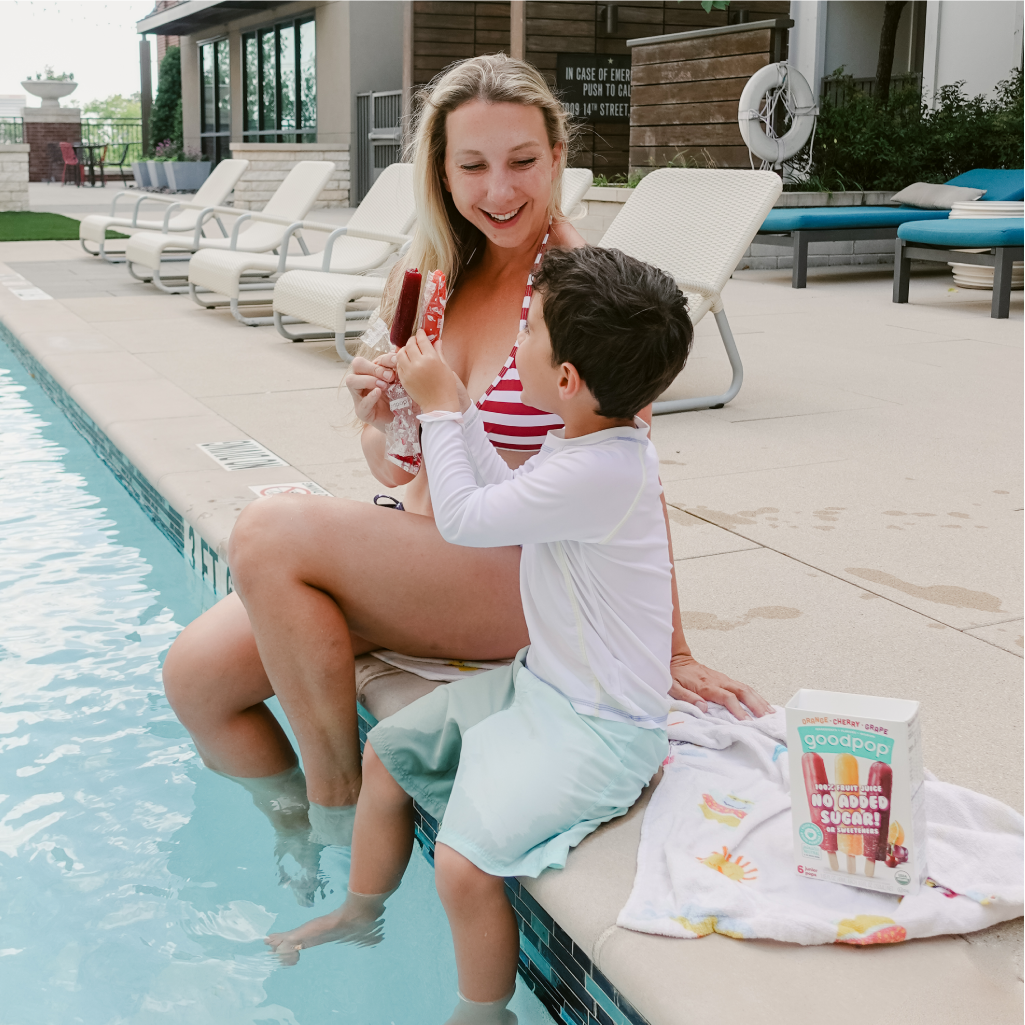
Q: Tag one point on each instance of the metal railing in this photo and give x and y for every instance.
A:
(115, 133)
(837, 90)
(12, 131)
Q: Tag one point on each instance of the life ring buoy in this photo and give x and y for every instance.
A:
(801, 105)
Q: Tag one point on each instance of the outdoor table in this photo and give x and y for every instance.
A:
(89, 153)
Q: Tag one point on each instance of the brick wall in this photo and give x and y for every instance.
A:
(38, 136)
(14, 177)
(270, 162)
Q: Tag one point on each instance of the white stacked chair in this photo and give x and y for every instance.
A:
(322, 301)
(375, 231)
(696, 224)
(279, 219)
(213, 192)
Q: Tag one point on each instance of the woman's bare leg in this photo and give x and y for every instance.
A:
(382, 842)
(323, 581)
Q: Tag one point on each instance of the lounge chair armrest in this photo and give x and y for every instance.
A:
(200, 221)
(329, 246)
(167, 216)
(121, 195)
(234, 230)
(283, 246)
(380, 236)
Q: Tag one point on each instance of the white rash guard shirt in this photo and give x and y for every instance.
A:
(595, 575)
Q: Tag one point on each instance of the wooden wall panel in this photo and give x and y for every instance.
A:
(445, 31)
(685, 93)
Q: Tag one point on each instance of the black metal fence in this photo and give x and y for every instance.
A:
(116, 134)
(12, 131)
(837, 89)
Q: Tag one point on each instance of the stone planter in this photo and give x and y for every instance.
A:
(49, 92)
(186, 175)
(157, 177)
(140, 172)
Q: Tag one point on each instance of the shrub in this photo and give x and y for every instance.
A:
(165, 117)
(861, 145)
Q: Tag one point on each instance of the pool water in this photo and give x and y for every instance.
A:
(136, 886)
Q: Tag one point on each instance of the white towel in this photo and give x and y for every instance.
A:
(716, 852)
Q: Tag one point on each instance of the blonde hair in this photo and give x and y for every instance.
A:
(443, 239)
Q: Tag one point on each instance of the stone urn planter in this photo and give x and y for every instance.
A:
(48, 90)
(185, 175)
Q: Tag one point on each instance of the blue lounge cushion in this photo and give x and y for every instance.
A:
(965, 233)
(1000, 186)
(810, 218)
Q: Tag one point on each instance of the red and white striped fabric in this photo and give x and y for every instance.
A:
(508, 423)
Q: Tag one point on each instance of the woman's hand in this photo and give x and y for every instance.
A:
(698, 684)
(366, 383)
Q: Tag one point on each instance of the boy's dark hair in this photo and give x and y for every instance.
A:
(622, 323)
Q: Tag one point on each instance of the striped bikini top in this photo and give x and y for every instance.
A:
(508, 422)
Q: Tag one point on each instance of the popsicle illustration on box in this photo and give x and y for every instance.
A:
(402, 435)
(880, 786)
(816, 786)
(846, 772)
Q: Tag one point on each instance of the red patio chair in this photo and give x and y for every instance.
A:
(70, 160)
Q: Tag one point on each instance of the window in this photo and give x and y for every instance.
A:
(280, 68)
(215, 100)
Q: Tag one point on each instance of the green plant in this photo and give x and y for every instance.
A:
(714, 5)
(862, 144)
(48, 75)
(29, 225)
(165, 117)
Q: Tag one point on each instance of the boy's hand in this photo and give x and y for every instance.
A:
(427, 377)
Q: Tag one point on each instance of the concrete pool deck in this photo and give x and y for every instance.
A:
(851, 521)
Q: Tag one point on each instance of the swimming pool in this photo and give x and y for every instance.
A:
(135, 885)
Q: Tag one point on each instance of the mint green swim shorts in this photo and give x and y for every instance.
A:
(513, 774)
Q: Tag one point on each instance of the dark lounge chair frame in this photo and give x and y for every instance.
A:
(800, 238)
(1000, 258)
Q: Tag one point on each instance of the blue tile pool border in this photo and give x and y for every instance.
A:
(198, 555)
(561, 975)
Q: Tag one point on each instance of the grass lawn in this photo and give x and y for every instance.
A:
(26, 226)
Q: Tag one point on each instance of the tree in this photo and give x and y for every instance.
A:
(887, 43)
(116, 106)
(165, 119)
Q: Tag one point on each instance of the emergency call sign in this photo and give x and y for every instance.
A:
(594, 86)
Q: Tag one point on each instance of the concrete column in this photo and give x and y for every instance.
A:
(808, 41)
(407, 68)
(335, 101)
(518, 29)
(191, 113)
(930, 57)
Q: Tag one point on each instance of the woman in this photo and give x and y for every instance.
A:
(319, 583)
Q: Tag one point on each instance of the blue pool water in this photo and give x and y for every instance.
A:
(136, 885)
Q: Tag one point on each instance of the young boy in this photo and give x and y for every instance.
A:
(519, 764)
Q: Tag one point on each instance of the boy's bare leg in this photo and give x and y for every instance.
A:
(484, 929)
(382, 841)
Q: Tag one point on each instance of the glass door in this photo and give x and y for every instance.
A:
(215, 100)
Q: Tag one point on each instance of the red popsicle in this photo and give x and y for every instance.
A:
(814, 779)
(880, 783)
(402, 326)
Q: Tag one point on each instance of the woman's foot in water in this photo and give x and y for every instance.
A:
(359, 920)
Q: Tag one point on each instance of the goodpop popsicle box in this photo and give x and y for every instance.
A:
(856, 790)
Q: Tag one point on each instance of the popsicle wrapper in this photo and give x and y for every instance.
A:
(402, 435)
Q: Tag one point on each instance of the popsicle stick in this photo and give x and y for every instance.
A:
(870, 868)
(833, 863)
(852, 865)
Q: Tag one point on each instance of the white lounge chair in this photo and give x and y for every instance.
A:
(213, 193)
(378, 227)
(289, 205)
(322, 300)
(695, 224)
